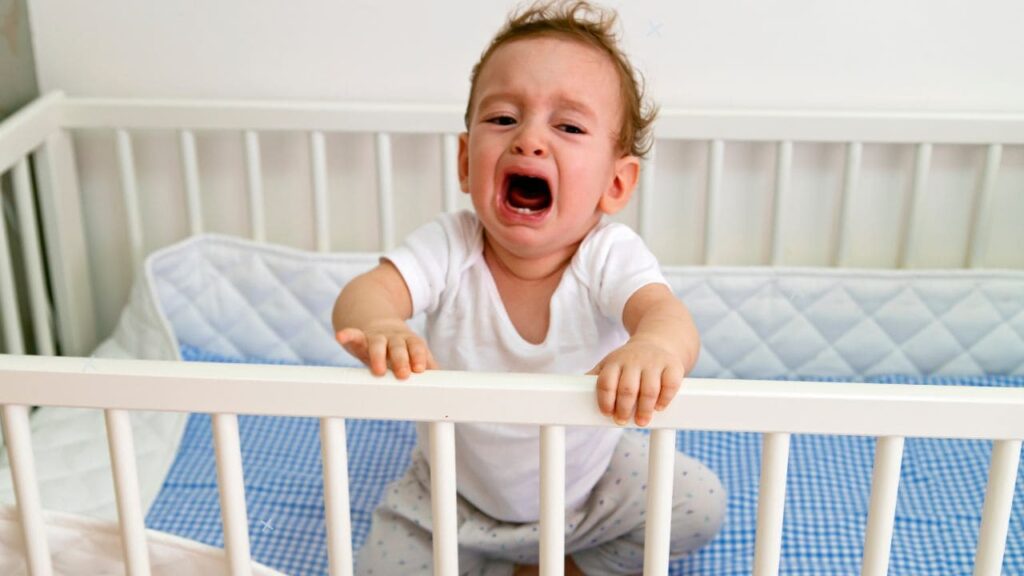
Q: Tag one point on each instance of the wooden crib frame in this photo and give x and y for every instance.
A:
(41, 134)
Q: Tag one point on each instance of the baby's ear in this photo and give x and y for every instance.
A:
(464, 161)
(627, 173)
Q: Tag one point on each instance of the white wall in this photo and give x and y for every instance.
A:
(822, 54)
(878, 54)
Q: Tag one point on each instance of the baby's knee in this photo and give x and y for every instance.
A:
(699, 506)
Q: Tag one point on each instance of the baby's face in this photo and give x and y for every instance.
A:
(541, 149)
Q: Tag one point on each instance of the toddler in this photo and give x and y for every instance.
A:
(535, 279)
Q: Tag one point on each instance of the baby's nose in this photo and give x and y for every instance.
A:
(534, 150)
(527, 143)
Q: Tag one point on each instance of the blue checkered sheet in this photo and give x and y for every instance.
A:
(937, 518)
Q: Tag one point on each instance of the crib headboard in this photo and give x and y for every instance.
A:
(116, 179)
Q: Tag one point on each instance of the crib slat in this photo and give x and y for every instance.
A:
(442, 498)
(126, 485)
(336, 497)
(450, 171)
(190, 169)
(13, 336)
(995, 516)
(254, 175)
(912, 213)
(982, 220)
(32, 253)
(318, 156)
(882, 511)
(851, 175)
(17, 437)
(385, 189)
(646, 216)
(63, 238)
(658, 531)
(232, 493)
(770, 503)
(552, 500)
(129, 188)
(716, 162)
(783, 172)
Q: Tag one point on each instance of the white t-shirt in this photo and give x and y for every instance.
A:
(468, 328)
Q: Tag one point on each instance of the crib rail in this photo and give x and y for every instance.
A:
(776, 408)
(715, 404)
(767, 125)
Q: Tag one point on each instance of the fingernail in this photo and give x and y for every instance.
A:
(620, 422)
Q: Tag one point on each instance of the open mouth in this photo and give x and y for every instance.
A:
(527, 194)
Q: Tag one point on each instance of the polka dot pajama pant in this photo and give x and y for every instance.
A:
(605, 536)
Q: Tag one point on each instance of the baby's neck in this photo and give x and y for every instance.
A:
(527, 269)
(526, 285)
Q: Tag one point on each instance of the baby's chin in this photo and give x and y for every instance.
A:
(533, 244)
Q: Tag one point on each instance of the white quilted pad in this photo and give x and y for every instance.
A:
(240, 299)
(80, 546)
(72, 459)
(767, 322)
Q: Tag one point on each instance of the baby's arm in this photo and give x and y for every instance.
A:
(644, 374)
(369, 321)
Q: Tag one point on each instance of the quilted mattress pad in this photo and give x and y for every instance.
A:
(83, 546)
(241, 299)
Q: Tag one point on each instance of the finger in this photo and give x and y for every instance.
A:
(607, 382)
(625, 395)
(596, 369)
(398, 354)
(650, 389)
(378, 351)
(354, 341)
(350, 337)
(671, 382)
(417, 353)
(346, 335)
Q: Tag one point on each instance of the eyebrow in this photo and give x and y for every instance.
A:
(561, 101)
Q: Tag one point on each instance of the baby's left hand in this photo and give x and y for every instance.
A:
(640, 377)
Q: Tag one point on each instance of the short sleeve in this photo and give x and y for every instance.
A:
(427, 256)
(422, 260)
(614, 263)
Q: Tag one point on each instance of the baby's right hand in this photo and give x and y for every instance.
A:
(388, 344)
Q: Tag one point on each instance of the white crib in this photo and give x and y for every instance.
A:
(41, 135)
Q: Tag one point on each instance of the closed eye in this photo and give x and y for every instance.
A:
(571, 129)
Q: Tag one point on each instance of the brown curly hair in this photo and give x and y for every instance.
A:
(594, 26)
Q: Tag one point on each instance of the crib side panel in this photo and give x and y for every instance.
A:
(859, 190)
(726, 188)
